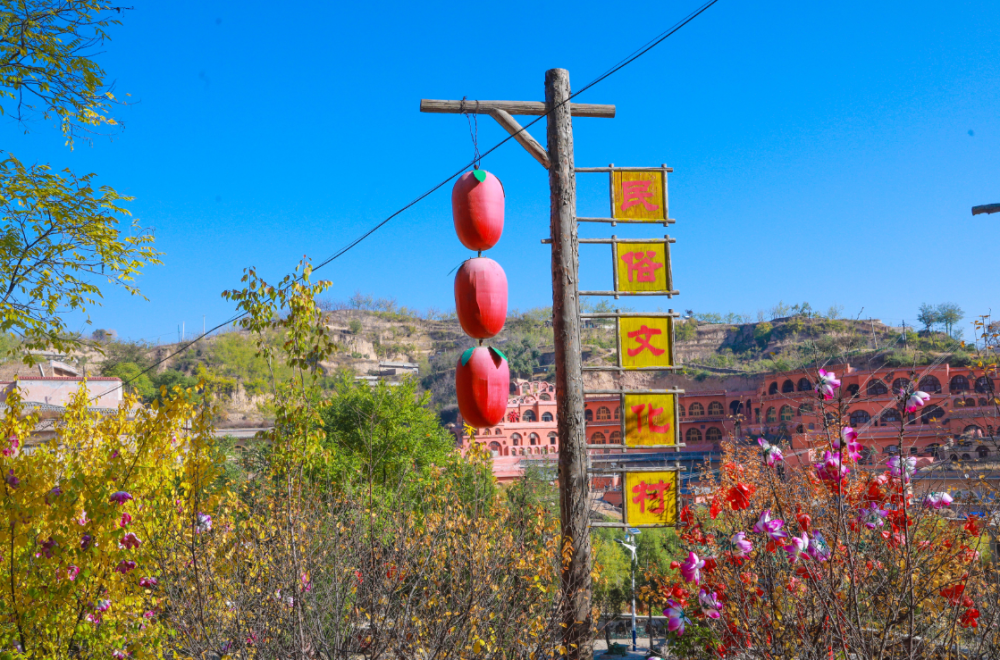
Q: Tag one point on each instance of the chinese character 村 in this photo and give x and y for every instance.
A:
(637, 192)
(643, 336)
(642, 265)
(655, 495)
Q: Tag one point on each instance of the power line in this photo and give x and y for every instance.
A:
(614, 69)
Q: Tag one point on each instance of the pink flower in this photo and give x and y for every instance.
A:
(902, 467)
(86, 541)
(126, 519)
(832, 468)
(850, 441)
(72, 572)
(872, 516)
(103, 605)
(12, 480)
(82, 520)
(306, 584)
(765, 525)
(772, 454)
(121, 497)
(691, 568)
(819, 549)
(12, 445)
(94, 618)
(120, 654)
(675, 617)
(937, 501)
(148, 582)
(129, 541)
(124, 566)
(797, 547)
(710, 604)
(827, 383)
(149, 614)
(46, 548)
(203, 523)
(917, 400)
(741, 546)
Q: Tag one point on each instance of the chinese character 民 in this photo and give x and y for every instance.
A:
(643, 335)
(651, 414)
(637, 192)
(642, 265)
(654, 494)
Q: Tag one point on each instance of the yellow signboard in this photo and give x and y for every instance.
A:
(642, 266)
(650, 498)
(646, 341)
(650, 420)
(639, 195)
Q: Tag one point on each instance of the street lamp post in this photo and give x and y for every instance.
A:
(630, 546)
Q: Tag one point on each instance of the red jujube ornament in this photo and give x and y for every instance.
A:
(482, 382)
(477, 207)
(481, 297)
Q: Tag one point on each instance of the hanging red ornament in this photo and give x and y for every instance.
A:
(477, 207)
(481, 297)
(482, 382)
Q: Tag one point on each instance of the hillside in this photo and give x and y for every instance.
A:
(714, 354)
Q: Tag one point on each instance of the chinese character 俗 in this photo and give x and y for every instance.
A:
(651, 497)
(641, 265)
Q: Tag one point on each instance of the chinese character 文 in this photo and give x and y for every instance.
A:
(651, 415)
(655, 495)
(643, 336)
(637, 192)
(641, 264)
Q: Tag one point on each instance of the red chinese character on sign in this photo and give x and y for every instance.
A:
(642, 265)
(637, 192)
(643, 335)
(650, 416)
(654, 494)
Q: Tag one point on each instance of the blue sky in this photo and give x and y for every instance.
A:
(822, 152)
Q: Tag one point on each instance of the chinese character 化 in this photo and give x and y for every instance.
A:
(650, 416)
(643, 336)
(637, 192)
(654, 494)
(642, 265)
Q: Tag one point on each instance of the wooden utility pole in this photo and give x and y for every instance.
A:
(573, 482)
(986, 208)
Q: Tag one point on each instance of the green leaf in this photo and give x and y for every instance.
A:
(497, 351)
(467, 355)
(480, 175)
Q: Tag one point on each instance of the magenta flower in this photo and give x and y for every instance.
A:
(125, 521)
(772, 454)
(772, 527)
(12, 445)
(872, 516)
(129, 541)
(741, 546)
(849, 439)
(797, 547)
(203, 523)
(86, 541)
(12, 480)
(306, 584)
(121, 497)
(675, 617)
(94, 618)
(691, 568)
(103, 605)
(819, 549)
(71, 572)
(148, 582)
(46, 548)
(120, 654)
(710, 604)
(902, 467)
(82, 520)
(832, 467)
(917, 400)
(124, 566)
(937, 500)
(827, 383)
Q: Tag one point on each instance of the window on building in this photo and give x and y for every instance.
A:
(804, 385)
(890, 415)
(932, 414)
(618, 413)
(680, 410)
(598, 439)
(959, 403)
(544, 397)
(696, 410)
(771, 416)
(973, 430)
(853, 389)
(715, 409)
(984, 385)
(588, 414)
(515, 439)
(958, 384)
(547, 417)
(800, 429)
(616, 438)
(495, 448)
(806, 409)
(603, 414)
(982, 452)
(970, 403)
(983, 402)
(756, 415)
(713, 435)
(966, 457)
(773, 389)
(787, 387)
(859, 418)
(930, 384)
(485, 432)
(533, 438)
(786, 414)
(529, 416)
(552, 438)
(877, 388)
(693, 436)
(735, 407)
(900, 384)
